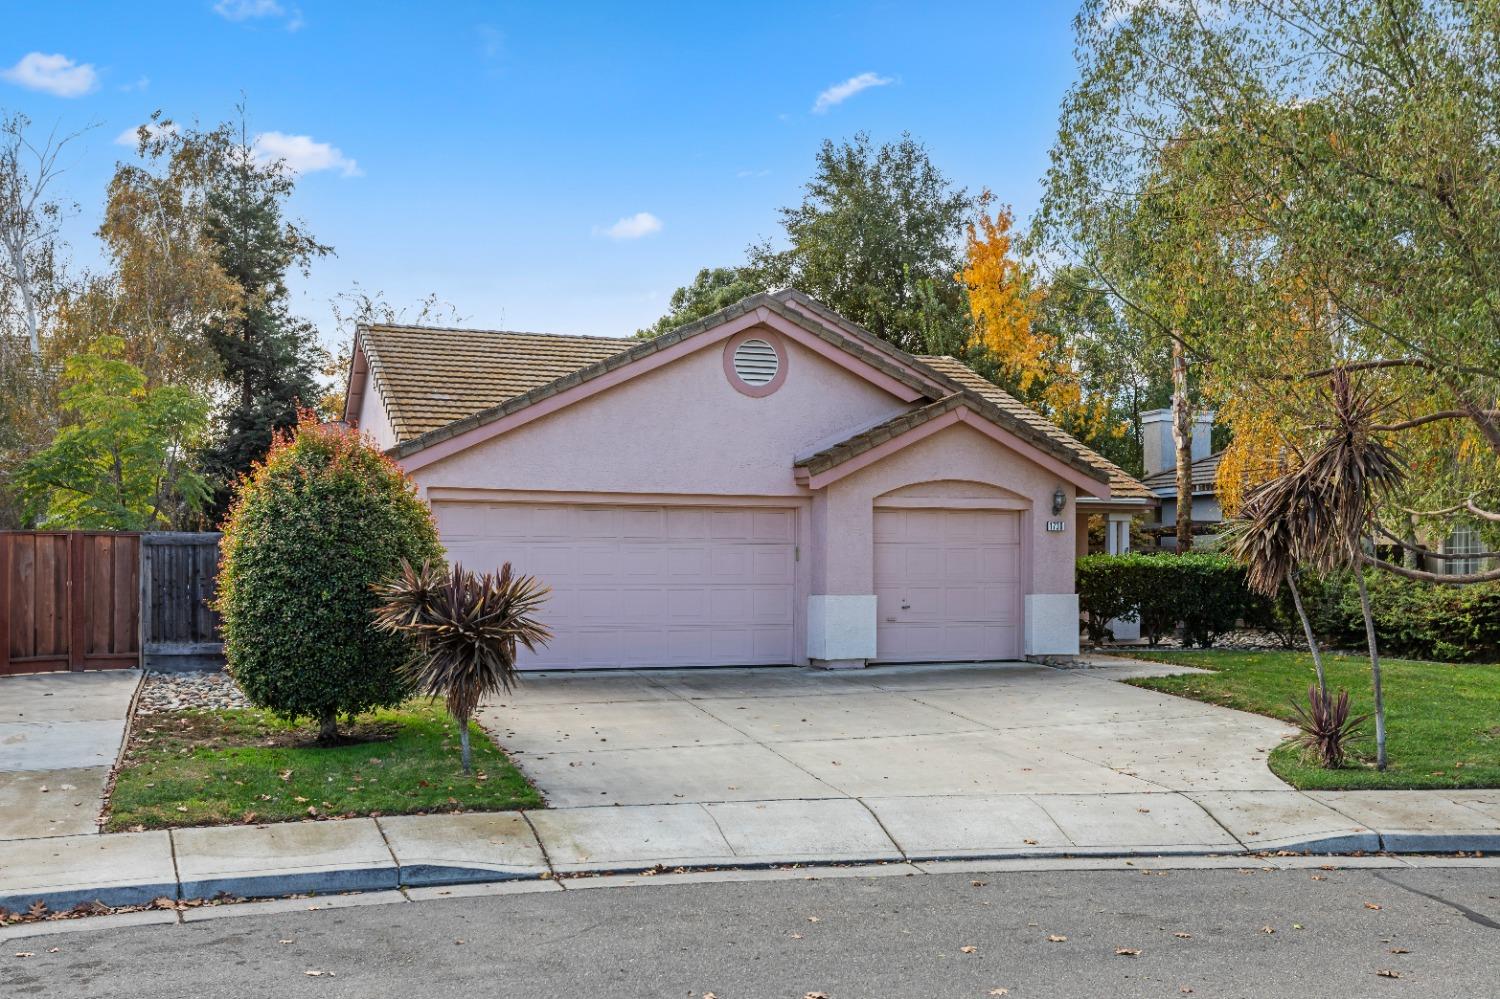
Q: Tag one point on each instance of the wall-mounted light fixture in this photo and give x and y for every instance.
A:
(1059, 500)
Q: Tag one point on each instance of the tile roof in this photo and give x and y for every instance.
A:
(1205, 477)
(432, 377)
(439, 383)
(1121, 483)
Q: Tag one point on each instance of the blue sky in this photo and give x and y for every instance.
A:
(486, 152)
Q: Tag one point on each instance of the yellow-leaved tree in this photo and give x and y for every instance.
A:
(1022, 355)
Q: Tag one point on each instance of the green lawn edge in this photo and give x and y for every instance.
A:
(169, 777)
(1443, 719)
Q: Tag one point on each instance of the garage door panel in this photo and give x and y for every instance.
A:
(947, 584)
(643, 586)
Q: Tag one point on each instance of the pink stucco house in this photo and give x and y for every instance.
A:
(769, 485)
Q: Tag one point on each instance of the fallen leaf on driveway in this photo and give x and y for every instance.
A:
(1127, 952)
(1183, 936)
(969, 949)
(1399, 950)
(1372, 905)
(315, 973)
(1388, 973)
(709, 995)
(1056, 938)
(816, 995)
(978, 884)
(285, 941)
(812, 919)
(1029, 842)
(999, 992)
(25, 953)
(1268, 929)
(1320, 877)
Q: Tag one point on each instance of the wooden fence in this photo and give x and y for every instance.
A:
(74, 600)
(69, 600)
(180, 630)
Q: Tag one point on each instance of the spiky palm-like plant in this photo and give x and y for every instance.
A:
(467, 629)
(1318, 514)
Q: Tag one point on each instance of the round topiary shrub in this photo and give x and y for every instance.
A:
(310, 530)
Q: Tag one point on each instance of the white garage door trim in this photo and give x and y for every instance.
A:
(949, 584)
(645, 585)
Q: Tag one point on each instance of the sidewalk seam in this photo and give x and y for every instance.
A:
(886, 832)
(388, 848)
(176, 873)
(1215, 819)
(546, 856)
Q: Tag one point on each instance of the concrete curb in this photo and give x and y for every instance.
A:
(280, 882)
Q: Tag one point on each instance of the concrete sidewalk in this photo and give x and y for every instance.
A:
(60, 734)
(371, 854)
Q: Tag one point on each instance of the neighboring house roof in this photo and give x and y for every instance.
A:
(439, 383)
(1205, 474)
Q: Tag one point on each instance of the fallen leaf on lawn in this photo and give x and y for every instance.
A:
(968, 949)
(1056, 938)
(285, 775)
(182, 808)
(1388, 973)
(1127, 952)
(299, 799)
(1183, 936)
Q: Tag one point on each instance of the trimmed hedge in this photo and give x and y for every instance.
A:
(1202, 591)
(311, 529)
(1206, 594)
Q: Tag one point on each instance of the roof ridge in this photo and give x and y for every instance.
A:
(496, 332)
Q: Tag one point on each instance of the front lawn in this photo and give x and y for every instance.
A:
(1443, 720)
(196, 768)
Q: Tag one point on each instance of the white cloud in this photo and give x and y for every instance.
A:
(303, 154)
(633, 226)
(130, 137)
(141, 83)
(841, 92)
(53, 74)
(251, 10)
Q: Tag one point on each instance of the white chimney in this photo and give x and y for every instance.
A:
(1158, 452)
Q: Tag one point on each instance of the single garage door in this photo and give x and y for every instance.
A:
(643, 585)
(947, 585)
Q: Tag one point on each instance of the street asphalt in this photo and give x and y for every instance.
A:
(1227, 932)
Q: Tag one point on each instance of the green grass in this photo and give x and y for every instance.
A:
(1442, 719)
(198, 768)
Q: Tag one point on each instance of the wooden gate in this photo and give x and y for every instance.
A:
(178, 574)
(69, 600)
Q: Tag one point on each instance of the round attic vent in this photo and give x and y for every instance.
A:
(756, 362)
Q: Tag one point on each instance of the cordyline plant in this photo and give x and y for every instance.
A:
(1319, 515)
(1326, 725)
(467, 629)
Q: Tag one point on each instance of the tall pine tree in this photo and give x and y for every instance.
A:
(269, 358)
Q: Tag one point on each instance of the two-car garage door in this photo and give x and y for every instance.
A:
(643, 585)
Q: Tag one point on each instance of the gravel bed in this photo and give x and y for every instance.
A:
(176, 691)
(1231, 641)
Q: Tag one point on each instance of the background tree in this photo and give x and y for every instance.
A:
(29, 220)
(357, 307)
(1304, 132)
(269, 358)
(121, 462)
(712, 289)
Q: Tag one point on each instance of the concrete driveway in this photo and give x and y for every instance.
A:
(59, 736)
(667, 737)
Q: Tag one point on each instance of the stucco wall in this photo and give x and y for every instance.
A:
(372, 418)
(843, 529)
(682, 428)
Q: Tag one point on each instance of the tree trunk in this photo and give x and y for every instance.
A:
(1364, 606)
(1312, 641)
(328, 726)
(1411, 558)
(1182, 438)
(463, 742)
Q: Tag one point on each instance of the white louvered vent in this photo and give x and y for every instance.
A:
(756, 363)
